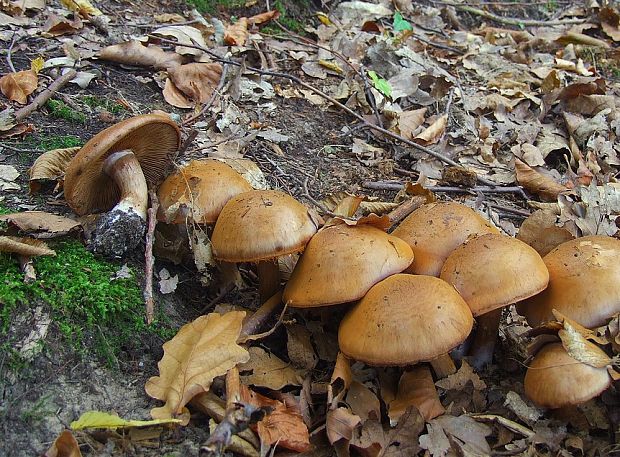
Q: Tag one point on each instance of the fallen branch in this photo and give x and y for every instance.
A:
(322, 94)
(405, 209)
(509, 20)
(382, 185)
(149, 260)
(44, 96)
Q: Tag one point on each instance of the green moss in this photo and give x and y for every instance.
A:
(287, 21)
(211, 6)
(93, 312)
(47, 143)
(99, 102)
(61, 111)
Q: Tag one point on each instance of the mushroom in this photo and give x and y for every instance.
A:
(259, 226)
(341, 263)
(555, 380)
(112, 172)
(406, 319)
(584, 275)
(24, 248)
(490, 272)
(435, 230)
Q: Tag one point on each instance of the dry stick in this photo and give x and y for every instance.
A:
(405, 209)
(44, 96)
(9, 51)
(381, 185)
(148, 256)
(348, 110)
(509, 20)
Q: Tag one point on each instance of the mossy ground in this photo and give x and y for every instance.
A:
(95, 312)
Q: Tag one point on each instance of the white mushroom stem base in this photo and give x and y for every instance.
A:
(121, 229)
(268, 279)
(482, 348)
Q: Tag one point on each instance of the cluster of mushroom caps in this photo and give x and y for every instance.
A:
(415, 291)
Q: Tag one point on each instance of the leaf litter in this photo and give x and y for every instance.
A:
(519, 108)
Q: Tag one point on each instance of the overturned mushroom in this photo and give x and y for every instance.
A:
(116, 167)
(25, 248)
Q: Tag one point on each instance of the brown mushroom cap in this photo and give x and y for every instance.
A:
(198, 191)
(153, 138)
(341, 262)
(435, 230)
(492, 271)
(261, 225)
(30, 247)
(554, 379)
(405, 319)
(584, 283)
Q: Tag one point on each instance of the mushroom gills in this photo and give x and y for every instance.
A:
(122, 228)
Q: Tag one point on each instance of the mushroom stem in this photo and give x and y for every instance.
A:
(481, 351)
(443, 366)
(268, 279)
(121, 229)
(125, 170)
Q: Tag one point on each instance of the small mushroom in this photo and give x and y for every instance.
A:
(341, 263)
(584, 278)
(260, 226)
(555, 380)
(435, 230)
(116, 167)
(406, 319)
(490, 272)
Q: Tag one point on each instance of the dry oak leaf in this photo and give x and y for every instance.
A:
(196, 80)
(267, 370)
(50, 166)
(434, 132)
(41, 224)
(416, 387)
(64, 446)
(200, 351)
(236, 34)
(17, 86)
(537, 183)
(134, 53)
(174, 96)
(340, 424)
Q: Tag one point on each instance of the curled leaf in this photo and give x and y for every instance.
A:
(17, 86)
(50, 166)
(134, 53)
(581, 349)
(537, 183)
(236, 34)
(64, 446)
(196, 80)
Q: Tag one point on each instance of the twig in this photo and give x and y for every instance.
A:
(382, 185)
(405, 209)
(149, 260)
(9, 51)
(510, 425)
(348, 110)
(315, 202)
(262, 314)
(510, 20)
(508, 209)
(191, 136)
(44, 96)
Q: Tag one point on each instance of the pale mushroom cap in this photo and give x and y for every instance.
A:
(198, 191)
(405, 319)
(341, 262)
(584, 283)
(554, 379)
(492, 271)
(261, 225)
(153, 138)
(435, 230)
(30, 247)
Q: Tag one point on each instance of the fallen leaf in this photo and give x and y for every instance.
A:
(174, 96)
(434, 132)
(467, 436)
(135, 53)
(528, 414)
(8, 175)
(537, 183)
(267, 370)
(196, 80)
(236, 34)
(299, 347)
(83, 7)
(17, 86)
(50, 166)
(363, 402)
(340, 424)
(167, 283)
(264, 17)
(592, 210)
(57, 25)
(461, 378)
(101, 419)
(340, 381)
(416, 388)
(41, 224)
(64, 446)
(581, 349)
(540, 232)
(200, 351)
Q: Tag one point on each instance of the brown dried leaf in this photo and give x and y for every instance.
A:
(17, 86)
(410, 121)
(609, 22)
(58, 25)
(50, 166)
(174, 96)
(200, 351)
(541, 185)
(467, 436)
(196, 80)
(377, 207)
(267, 370)
(461, 378)
(340, 381)
(64, 446)
(348, 205)
(592, 335)
(134, 53)
(434, 132)
(236, 34)
(416, 387)
(581, 349)
(264, 17)
(363, 402)
(41, 224)
(540, 232)
(299, 347)
(340, 424)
